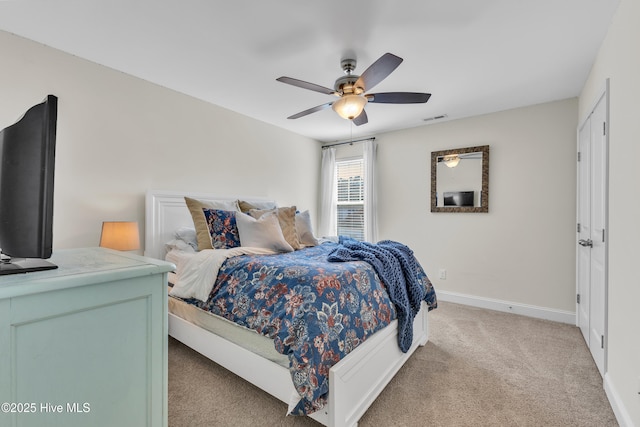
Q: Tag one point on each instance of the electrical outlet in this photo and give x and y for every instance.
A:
(443, 274)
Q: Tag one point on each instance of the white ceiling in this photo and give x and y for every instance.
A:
(473, 56)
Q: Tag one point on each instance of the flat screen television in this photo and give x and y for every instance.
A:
(27, 160)
(458, 198)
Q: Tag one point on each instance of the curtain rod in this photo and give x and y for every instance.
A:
(349, 142)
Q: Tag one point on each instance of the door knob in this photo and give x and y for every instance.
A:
(587, 243)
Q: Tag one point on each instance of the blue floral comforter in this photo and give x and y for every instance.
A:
(315, 311)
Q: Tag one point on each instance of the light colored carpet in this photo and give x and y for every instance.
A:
(479, 368)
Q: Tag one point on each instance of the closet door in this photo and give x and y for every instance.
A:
(583, 258)
(592, 232)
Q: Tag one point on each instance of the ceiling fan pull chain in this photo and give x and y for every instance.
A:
(351, 131)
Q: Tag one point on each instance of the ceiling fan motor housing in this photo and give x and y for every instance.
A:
(346, 85)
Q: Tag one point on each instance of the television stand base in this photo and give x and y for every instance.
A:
(25, 265)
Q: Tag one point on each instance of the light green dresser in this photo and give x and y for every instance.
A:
(85, 344)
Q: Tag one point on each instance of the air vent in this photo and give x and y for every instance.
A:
(429, 119)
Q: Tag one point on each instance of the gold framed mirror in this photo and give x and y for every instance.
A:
(460, 180)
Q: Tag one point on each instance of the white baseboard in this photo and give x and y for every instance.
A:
(508, 307)
(619, 410)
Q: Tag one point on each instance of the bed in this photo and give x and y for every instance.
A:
(353, 383)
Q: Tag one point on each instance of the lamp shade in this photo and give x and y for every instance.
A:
(120, 235)
(349, 106)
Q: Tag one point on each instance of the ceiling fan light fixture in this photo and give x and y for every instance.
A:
(349, 106)
(451, 160)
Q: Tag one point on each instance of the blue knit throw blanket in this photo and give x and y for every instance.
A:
(399, 270)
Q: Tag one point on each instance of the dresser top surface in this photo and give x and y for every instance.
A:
(78, 267)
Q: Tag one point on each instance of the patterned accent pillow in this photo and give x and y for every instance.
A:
(222, 228)
(200, 222)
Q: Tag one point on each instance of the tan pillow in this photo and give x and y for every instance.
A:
(246, 206)
(262, 205)
(200, 222)
(287, 219)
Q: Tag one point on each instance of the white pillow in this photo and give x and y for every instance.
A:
(187, 235)
(178, 244)
(262, 233)
(305, 230)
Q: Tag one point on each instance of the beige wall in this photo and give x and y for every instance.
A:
(119, 136)
(523, 250)
(619, 60)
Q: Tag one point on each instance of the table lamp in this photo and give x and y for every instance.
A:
(120, 235)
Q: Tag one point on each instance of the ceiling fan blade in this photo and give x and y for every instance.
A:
(398, 97)
(362, 119)
(310, 110)
(306, 85)
(378, 71)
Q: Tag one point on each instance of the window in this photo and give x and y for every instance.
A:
(350, 198)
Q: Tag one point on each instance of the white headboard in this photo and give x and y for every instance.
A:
(166, 211)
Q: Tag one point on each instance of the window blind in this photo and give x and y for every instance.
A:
(350, 194)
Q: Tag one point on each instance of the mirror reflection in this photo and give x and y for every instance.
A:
(459, 180)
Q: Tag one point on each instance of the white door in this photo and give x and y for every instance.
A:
(592, 238)
(583, 257)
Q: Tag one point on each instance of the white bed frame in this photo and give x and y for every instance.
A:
(354, 383)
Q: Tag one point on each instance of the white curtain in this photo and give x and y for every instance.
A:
(370, 197)
(329, 209)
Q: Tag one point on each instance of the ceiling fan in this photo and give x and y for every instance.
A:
(351, 90)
